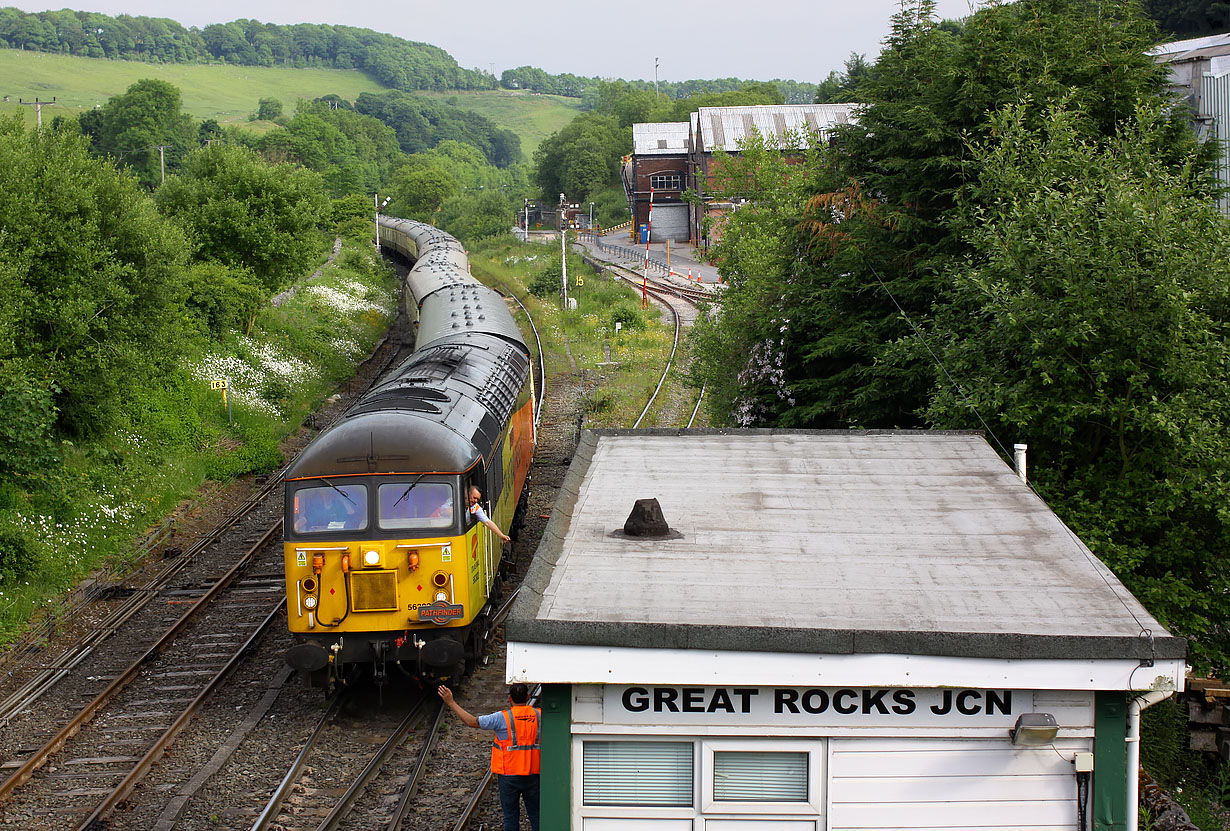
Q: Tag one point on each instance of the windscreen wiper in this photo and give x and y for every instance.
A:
(406, 492)
(345, 495)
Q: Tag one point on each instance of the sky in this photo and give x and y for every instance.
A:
(800, 40)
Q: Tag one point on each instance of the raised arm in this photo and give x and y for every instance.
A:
(466, 719)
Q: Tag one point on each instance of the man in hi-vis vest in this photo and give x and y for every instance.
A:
(514, 754)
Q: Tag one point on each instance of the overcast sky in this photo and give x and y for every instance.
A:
(799, 40)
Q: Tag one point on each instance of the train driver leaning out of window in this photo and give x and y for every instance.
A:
(476, 510)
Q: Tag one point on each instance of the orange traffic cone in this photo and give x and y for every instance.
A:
(689, 274)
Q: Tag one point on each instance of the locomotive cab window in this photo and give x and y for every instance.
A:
(476, 480)
(416, 505)
(330, 508)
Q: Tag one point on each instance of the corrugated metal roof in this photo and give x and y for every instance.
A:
(660, 138)
(722, 128)
(1177, 50)
(1215, 51)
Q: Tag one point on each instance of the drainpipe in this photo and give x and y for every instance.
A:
(1135, 706)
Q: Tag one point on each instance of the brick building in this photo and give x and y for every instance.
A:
(669, 159)
(658, 168)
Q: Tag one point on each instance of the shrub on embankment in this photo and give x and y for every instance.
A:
(116, 320)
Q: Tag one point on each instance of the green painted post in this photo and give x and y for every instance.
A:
(1109, 761)
(555, 803)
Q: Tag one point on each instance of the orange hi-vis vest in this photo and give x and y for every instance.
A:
(518, 754)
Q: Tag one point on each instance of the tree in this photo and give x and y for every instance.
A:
(932, 91)
(248, 214)
(474, 216)
(90, 279)
(1091, 319)
(268, 109)
(1189, 18)
(419, 189)
(844, 86)
(583, 157)
(133, 126)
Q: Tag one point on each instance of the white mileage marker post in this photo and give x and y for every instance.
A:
(221, 384)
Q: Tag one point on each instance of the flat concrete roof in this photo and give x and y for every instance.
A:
(823, 542)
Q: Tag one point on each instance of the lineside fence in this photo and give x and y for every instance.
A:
(624, 253)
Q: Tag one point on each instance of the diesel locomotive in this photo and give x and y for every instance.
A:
(385, 564)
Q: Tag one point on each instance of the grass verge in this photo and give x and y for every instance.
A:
(618, 365)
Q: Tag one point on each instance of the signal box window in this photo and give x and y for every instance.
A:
(421, 505)
(759, 776)
(665, 181)
(647, 774)
(330, 509)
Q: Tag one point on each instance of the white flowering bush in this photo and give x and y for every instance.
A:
(764, 372)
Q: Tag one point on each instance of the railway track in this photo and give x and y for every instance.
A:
(82, 767)
(677, 301)
(338, 781)
(94, 759)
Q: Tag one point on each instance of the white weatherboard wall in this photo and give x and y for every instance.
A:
(960, 783)
(876, 758)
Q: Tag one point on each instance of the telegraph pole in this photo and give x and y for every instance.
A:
(162, 161)
(38, 107)
(563, 252)
(655, 79)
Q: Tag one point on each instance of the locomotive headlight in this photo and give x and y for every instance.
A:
(309, 602)
(371, 558)
(442, 596)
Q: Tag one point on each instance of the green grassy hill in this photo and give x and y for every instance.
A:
(531, 116)
(229, 93)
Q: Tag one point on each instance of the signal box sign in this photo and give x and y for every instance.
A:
(816, 706)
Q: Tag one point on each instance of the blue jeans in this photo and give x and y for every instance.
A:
(512, 790)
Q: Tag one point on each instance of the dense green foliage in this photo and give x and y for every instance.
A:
(144, 129)
(582, 158)
(353, 153)
(1041, 258)
(247, 214)
(422, 123)
(841, 87)
(1189, 18)
(453, 187)
(89, 271)
(396, 63)
(118, 314)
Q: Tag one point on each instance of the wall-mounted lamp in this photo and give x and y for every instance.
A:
(1034, 729)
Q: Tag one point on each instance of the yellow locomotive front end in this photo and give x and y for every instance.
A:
(388, 571)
